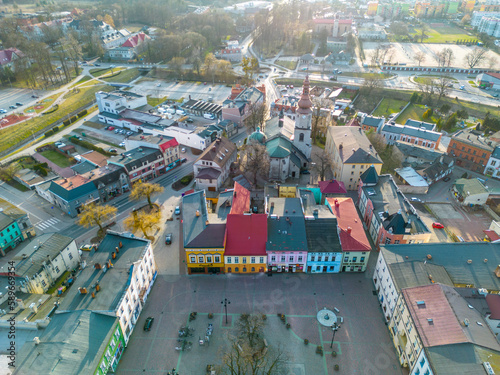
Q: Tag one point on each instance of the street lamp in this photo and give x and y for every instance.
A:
(225, 303)
(335, 327)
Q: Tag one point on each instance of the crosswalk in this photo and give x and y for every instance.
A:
(48, 224)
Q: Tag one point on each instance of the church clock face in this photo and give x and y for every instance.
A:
(303, 116)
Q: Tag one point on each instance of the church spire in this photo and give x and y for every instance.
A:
(305, 103)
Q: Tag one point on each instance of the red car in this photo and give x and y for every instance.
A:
(438, 225)
(111, 128)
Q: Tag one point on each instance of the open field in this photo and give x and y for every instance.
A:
(388, 107)
(289, 64)
(56, 158)
(414, 112)
(443, 34)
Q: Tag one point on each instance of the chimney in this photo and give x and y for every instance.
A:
(337, 203)
(349, 229)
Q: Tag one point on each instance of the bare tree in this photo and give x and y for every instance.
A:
(371, 83)
(319, 120)
(420, 57)
(475, 57)
(378, 141)
(423, 29)
(255, 160)
(385, 50)
(427, 87)
(442, 86)
(375, 55)
(448, 56)
(257, 115)
(250, 327)
(323, 163)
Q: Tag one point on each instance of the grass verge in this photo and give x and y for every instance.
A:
(289, 64)
(123, 76)
(155, 101)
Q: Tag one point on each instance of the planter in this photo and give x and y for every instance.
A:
(288, 325)
(306, 342)
(319, 350)
(210, 316)
(264, 317)
(336, 367)
(334, 354)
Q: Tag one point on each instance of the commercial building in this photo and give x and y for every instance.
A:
(387, 213)
(117, 101)
(79, 342)
(70, 194)
(15, 226)
(203, 242)
(286, 245)
(167, 145)
(116, 280)
(493, 166)
(351, 153)
(245, 243)
(470, 150)
(489, 80)
(470, 192)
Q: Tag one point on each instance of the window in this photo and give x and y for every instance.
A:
(354, 259)
(70, 256)
(261, 260)
(217, 259)
(244, 260)
(422, 362)
(192, 259)
(273, 258)
(396, 242)
(346, 259)
(299, 259)
(493, 162)
(290, 258)
(200, 258)
(44, 283)
(362, 259)
(318, 268)
(57, 269)
(283, 258)
(209, 259)
(313, 258)
(353, 166)
(236, 259)
(352, 173)
(301, 137)
(387, 241)
(484, 155)
(252, 260)
(236, 269)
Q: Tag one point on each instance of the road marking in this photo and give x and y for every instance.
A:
(48, 223)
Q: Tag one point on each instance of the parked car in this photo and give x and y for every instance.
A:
(3, 110)
(12, 107)
(183, 150)
(111, 128)
(113, 150)
(438, 225)
(34, 96)
(122, 144)
(208, 116)
(117, 131)
(183, 160)
(168, 239)
(177, 210)
(189, 120)
(87, 247)
(415, 199)
(19, 104)
(130, 133)
(96, 64)
(149, 323)
(447, 178)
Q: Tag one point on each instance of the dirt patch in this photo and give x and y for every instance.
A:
(11, 120)
(445, 211)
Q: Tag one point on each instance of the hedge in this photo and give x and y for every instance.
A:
(82, 113)
(55, 129)
(186, 179)
(52, 110)
(48, 133)
(73, 119)
(66, 122)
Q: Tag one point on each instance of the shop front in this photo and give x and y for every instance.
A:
(286, 268)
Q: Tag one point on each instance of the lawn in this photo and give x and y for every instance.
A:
(388, 107)
(56, 158)
(98, 72)
(153, 102)
(422, 79)
(82, 80)
(414, 112)
(289, 64)
(444, 34)
(123, 76)
(17, 133)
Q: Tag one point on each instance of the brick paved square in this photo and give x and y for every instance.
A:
(362, 343)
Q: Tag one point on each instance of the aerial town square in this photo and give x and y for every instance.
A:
(250, 188)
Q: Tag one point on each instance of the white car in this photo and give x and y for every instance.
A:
(183, 150)
(130, 133)
(122, 144)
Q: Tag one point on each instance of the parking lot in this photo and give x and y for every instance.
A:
(362, 343)
(12, 96)
(176, 91)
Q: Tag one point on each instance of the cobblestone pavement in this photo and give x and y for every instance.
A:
(363, 343)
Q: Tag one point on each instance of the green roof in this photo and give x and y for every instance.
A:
(73, 343)
(278, 147)
(470, 186)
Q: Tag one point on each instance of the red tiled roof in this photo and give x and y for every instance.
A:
(95, 158)
(445, 328)
(246, 234)
(135, 40)
(6, 55)
(493, 301)
(241, 200)
(352, 234)
(332, 187)
(171, 143)
(495, 75)
(491, 235)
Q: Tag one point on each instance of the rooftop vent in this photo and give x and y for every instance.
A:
(430, 321)
(420, 303)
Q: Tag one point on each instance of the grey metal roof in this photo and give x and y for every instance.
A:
(454, 257)
(113, 282)
(211, 237)
(135, 157)
(372, 121)
(420, 124)
(48, 246)
(496, 153)
(415, 151)
(417, 273)
(224, 204)
(286, 234)
(322, 235)
(193, 225)
(411, 131)
(83, 167)
(73, 343)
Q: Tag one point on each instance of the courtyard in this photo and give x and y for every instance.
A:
(362, 343)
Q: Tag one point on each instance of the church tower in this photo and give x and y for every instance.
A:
(303, 120)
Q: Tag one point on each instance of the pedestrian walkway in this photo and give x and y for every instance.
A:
(48, 224)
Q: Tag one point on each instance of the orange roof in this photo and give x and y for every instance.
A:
(352, 234)
(429, 302)
(95, 158)
(72, 182)
(135, 40)
(241, 200)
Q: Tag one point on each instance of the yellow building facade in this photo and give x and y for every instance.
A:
(205, 260)
(245, 264)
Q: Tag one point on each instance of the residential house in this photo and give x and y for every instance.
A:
(167, 145)
(351, 153)
(233, 201)
(372, 123)
(470, 150)
(70, 194)
(410, 134)
(121, 53)
(436, 332)
(286, 245)
(16, 226)
(420, 124)
(440, 168)
(203, 242)
(31, 179)
(116, 282)
(77, 342)
(493, 166)
(415, 155)
(9, 56)
(355, 245)
(141, 163)
(331, 188)
(391, 276)
(110, 181)
(245, 243)
(229, 127)
(95, 158)
(387, 213)
(135, 43)
(322, 233)
(239, 108)
(44, 263)
(470, 192)
(231, 52)
(212, 167)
